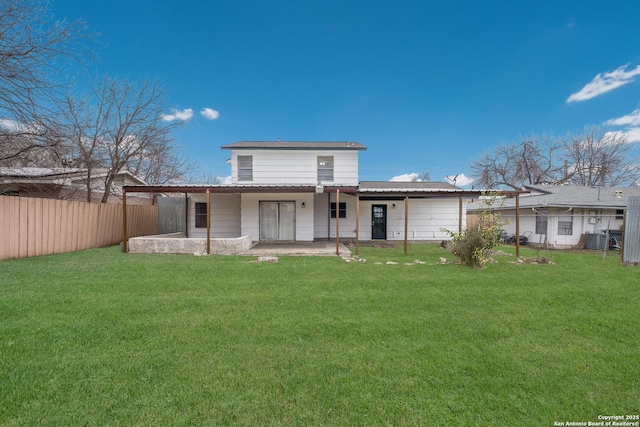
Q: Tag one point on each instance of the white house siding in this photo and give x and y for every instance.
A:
(250, 213)
(427, 218)
(296, 166)
(225, 215)
(584, 221)
(321, 216)
(347, 225)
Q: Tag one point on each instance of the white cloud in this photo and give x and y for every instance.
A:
(184, 115)
(210, 113)
(459, 180)
(407, 177)
(605, 82)
(632, 134)
(10, 125)
(13, 126)
(631, 125)
(632, 119)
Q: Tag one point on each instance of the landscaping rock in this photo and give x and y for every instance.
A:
(446, 244)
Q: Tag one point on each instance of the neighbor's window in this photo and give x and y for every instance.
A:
(541, 222)
(342, 210)
(201, 215)
(565, 225)
(245, 168)
(325, 168)
(619, 214)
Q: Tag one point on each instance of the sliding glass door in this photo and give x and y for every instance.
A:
(277, 221)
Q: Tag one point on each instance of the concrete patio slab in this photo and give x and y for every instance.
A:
(322, 248)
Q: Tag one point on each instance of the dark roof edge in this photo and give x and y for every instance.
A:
(294, 145)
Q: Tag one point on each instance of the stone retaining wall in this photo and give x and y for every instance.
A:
(176, 243)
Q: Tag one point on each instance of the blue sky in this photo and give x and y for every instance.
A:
(425, 85)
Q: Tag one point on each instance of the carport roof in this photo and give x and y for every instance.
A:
(366, 188)
(237, 188)
(416, 189)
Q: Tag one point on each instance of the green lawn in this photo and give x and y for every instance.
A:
(104, 338)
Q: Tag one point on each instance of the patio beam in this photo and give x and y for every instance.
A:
(231, 189)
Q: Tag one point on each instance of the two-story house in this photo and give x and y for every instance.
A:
(306, 191)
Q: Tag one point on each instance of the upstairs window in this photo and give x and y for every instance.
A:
(245, 168)
(201, 215)
(325, 168)
(342, 210)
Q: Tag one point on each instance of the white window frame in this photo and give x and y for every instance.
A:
(200, 217)
(325, 168)
(342, 210)
(565, 224)
(542, 221)
(245, 168)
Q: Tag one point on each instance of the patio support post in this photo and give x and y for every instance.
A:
(208, 221)
(406, 222)
(624, 227)
(186, 215)
(460, 215)
(338, 221)
(125, 241)
(517, 224)
(357, 224)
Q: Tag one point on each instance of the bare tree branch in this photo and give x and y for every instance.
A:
(36, 54)
(121, 129)
(599, 158)
(593, 157)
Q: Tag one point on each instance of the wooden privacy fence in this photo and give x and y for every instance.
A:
(32, 227)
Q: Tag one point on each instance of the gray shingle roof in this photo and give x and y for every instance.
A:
(294, 145)
(573, 196)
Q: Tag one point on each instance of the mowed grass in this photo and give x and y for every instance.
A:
(105, 338)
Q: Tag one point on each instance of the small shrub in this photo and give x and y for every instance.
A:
(473, 245)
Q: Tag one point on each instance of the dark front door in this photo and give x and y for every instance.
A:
(379, 221)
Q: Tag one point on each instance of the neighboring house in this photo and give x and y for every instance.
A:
(306, 191)
(560, 215)
(66, 183)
